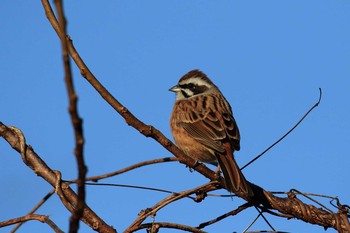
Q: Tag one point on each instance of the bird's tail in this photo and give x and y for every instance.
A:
(234, 178)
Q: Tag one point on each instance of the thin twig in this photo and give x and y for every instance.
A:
(38, 217)
(287, 216)
(129, 168)
(221, 217)
(311, 199)
(40, 168)
(77, 123)
(35, 208)
(290, 205)
(265, 219)
(286, 134)
(155, 226)
(166, 201)
(146, 130)
(59, 190)
(148, 188)
(137, 187)
(251, 224)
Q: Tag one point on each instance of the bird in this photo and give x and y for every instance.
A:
(203, 127)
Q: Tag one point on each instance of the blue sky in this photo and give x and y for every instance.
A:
(268, 57)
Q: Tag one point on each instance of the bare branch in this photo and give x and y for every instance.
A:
(308, 213)
(129, 168)
(146, 130)
(155, 226)
(153, 210)
(231, 213)
(41, 218)
(32, 160)
(289, 206)
(289, 131)
(138, 187)
(265, 219)
(35, 208)
(77, 123)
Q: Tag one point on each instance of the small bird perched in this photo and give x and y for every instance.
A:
(203, 127)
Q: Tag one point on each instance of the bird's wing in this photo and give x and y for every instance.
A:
(210, 127)
(208, 132)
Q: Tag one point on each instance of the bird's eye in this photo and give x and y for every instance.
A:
(191, 86)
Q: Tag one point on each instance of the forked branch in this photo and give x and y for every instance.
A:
(289, 206)
(153, 210)
(16, 139)
(29, 217)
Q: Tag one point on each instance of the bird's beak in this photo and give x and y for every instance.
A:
(175, 89)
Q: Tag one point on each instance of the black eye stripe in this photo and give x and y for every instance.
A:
(194, 88)
(187, 86)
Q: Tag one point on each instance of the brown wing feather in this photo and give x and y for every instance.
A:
(232, 130)
(209, 125)
(205, 132)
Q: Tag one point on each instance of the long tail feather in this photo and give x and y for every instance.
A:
(235, 180)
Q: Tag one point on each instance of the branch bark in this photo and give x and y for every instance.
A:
(29, 217)
(289, 206)
(154, 227)
(76, 120)
(16, 139)
(35, 208)
(129, 168)
(153, 210)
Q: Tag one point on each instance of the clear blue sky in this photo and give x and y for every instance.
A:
(268, 57)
